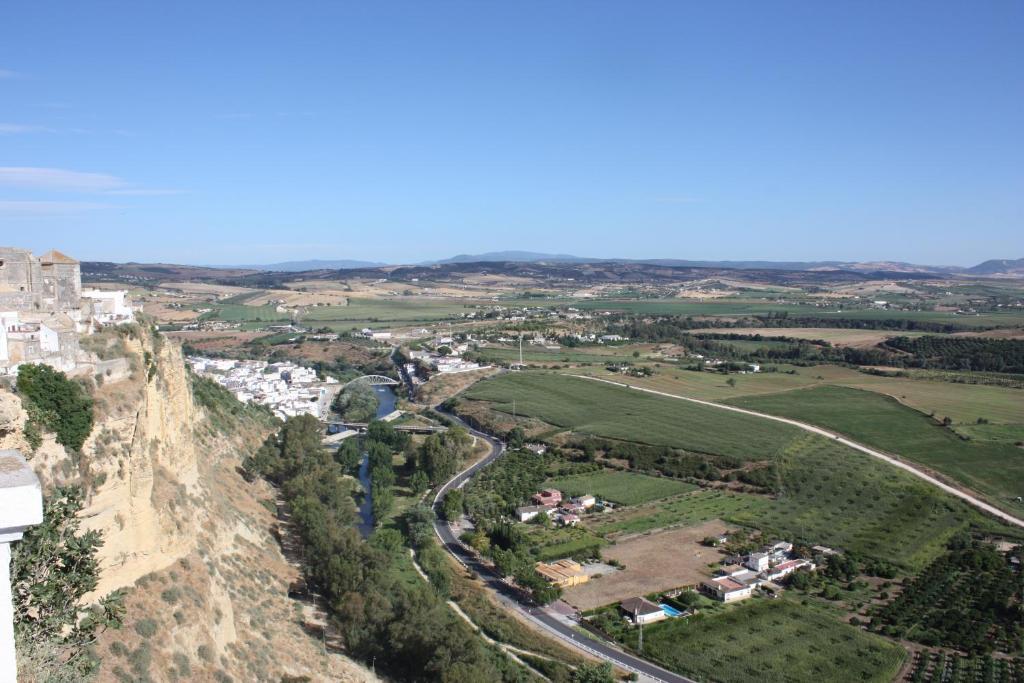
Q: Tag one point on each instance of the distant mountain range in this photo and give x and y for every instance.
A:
(994, 267)
(999, 266)
(314, 264)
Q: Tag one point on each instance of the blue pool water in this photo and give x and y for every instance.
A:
(670, 611)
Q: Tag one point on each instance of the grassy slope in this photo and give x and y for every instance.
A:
(608, 411)
(771, 640)
(627, 488)
(994, 469)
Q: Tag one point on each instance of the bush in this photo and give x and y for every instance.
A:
(146, 628)
(58, 403)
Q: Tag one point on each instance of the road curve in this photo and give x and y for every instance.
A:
(509, 597)
(980, 504)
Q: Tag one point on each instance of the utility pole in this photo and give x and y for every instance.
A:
(638, 622)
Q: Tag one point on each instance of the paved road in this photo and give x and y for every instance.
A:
(513, 599)
(963, 495)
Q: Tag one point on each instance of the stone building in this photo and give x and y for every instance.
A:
(43, 309)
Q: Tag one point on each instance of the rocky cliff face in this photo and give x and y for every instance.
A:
(207, 583)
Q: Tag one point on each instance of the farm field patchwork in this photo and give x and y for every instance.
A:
(618, 413)
(994, 469)
(625, 488)
(770, 640)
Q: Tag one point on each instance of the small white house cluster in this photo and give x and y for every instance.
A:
(549, 503)
(738, 581)
(445, 362)
(286, 388)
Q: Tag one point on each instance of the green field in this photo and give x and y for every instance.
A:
(770, 640)
(625, 488)
(563, 355)
(242, 313)
(548, 543)
(687, 510)
(618, 413)
(994, 468)
(963, 403)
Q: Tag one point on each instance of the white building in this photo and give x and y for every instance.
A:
(109, 307)
(758, 562)
(727, 589)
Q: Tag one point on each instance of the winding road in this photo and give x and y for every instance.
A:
(511, 598)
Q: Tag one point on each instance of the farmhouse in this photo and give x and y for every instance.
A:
(528, 512)
(550, 497)
(758, 562)
(641, 611)
(727, 589)
(786, 568)
(586, 502)
(562, 573)
(567, 518)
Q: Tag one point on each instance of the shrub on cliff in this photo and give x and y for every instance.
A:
(56, 403)
(52, 568)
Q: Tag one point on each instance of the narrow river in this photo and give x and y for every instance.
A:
(386, 404)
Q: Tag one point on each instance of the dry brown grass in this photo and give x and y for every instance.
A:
(653, 562)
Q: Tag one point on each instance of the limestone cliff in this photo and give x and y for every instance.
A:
(207, 583)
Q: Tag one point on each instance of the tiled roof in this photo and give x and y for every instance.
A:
(54, 256)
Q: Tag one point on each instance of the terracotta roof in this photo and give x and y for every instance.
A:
(638, 606)
(54, 256)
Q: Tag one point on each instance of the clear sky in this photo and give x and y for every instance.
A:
(252, 132)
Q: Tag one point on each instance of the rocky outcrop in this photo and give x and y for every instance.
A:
(182, 531)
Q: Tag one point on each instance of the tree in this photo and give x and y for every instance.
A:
(731, 382)
(348, 455)
(57, 403)
(516, 437)
(52, 567)
(419, 482)
(593, 673)
(452, 505)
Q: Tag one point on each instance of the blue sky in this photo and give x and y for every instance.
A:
(253, 132)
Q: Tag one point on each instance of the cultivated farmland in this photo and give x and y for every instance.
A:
(994, 469)
(685, 510)
(618, 413)
(625, 488)
(770, 640)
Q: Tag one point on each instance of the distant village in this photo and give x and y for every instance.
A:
(44, 311)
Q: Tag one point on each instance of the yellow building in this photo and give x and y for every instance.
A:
(563, 573)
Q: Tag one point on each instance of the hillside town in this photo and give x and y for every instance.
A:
(44, 311)
(286, 388)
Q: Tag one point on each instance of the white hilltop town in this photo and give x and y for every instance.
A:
(286, 388)
(44, 312)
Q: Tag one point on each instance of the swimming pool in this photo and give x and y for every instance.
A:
(670, 611)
